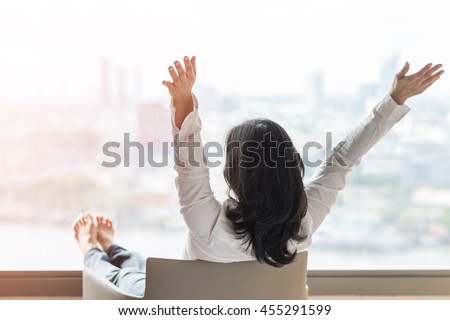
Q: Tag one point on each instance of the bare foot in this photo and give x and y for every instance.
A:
(85, 232)
(105, 233)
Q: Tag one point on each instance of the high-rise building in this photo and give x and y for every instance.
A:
(121, 89)
(105, 94)
(317, 90)
(137, 86)
(388, 71)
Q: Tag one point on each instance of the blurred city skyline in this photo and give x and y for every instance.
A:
(75, 75)
(53, 171)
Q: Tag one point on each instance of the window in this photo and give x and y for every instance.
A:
(77, 76)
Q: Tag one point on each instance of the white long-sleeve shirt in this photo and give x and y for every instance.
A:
(211, 236)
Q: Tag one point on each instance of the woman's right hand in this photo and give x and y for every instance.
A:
(404, 87)
(180, 88)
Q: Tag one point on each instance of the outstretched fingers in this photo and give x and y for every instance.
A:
(432, 71)
(424, 70)
(427, 75)
(173, 74)
(194, 64)
(405, 87)
(175, 78)
(169, 85)
(432, 78)
(183, 76)
(180, 69)
(189, 68)
(404, 71)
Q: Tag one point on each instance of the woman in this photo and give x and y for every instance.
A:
(270, 213)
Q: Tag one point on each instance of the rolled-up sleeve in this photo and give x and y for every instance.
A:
(199, 207)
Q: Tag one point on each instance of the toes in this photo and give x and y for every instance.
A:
(108, 222)
(76, 230)
(77, 222)
(100, 220)
(89, 218)
(103, 221)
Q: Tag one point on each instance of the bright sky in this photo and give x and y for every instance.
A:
(243, 47)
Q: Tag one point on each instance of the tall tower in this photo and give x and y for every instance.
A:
(388, 70)
(137, 86)
(105, 91)
(317, 90)
(121, 89)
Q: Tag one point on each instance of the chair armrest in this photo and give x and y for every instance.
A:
(97, 288)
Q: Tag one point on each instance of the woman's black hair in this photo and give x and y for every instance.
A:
(264, 173)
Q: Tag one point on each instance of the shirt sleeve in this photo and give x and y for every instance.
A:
(199, 207)
(329, 178)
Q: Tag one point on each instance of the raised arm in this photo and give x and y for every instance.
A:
(329, 178)
(198, 205)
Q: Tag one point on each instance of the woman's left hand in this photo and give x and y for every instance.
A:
(404, 87)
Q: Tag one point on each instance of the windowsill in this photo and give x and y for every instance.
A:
(433, 283)
(40, 283)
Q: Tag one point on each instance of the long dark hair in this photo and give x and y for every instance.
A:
(264, 173)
